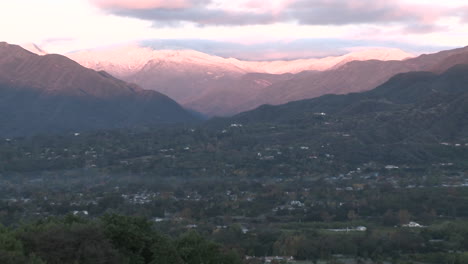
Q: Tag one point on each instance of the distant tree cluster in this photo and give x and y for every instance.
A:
(110, 239)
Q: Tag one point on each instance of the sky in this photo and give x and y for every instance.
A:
(246, 29)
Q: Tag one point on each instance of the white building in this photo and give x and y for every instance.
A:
(412, 224)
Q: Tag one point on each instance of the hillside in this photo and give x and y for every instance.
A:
(52, 93)
(355, 76)
(414, 117)
(210, 84)
(217, 86)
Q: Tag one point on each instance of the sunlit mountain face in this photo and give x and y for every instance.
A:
(233, 132)
(193, 78)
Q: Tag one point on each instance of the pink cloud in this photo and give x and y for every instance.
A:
(464, 15)
(144, 4)
(422, 18)
(425, 14)
(397, 10)
(273, 6)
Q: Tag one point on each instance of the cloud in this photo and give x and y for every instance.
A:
(147, 4)
(421, 18)
(55, 40)
(282, 50)
(464, 14)
(423, 28)
(340, 12)
(200, 16)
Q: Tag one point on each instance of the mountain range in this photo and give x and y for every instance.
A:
(213, 85)
(402, 92)
(414, 117)
(218, 86)
(52, 93)
(355, 76)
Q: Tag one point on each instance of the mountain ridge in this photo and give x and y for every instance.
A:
(414, 118)
(52, 93)
(135, 56)
(356, 76)
(216, 86)
(208, 84)
(402, 89)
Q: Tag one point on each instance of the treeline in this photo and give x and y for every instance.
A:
(261, 150)
(446, 242)
(132, 240)
(109, 239)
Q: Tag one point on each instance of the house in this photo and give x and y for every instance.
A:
(412, 224)
(361, 228)
(278, 258)
(81, 213)
(347, 229)
(297, 203)
(270, 259)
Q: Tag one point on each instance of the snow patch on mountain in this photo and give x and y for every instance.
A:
(127, 60)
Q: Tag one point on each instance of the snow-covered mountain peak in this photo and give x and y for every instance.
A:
(127, 60)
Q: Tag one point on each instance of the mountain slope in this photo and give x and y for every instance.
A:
(210, 84)
(355, 76)
(52, 93)
(411, 91)
(219, 87)
(414, 118)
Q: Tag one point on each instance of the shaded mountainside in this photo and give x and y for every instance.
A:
(52, 93)
(184, 81)
(355, 76)
(412, 117)
(414, 89)
(227, 96)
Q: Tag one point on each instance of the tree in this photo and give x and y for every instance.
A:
(404, 217)
(390, 219)
(294, 245)
(194, 249)
(58, 242)
(12, 251)
(164, 251)
(132, 236)
(352, 215)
